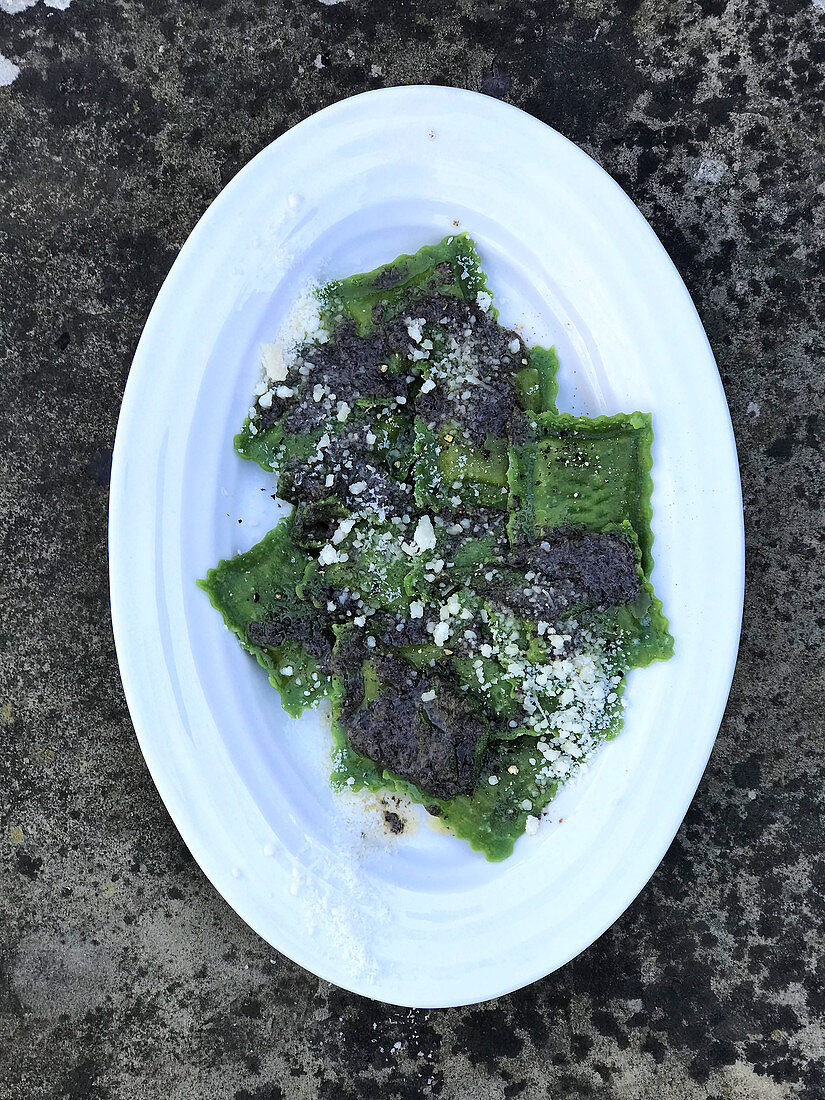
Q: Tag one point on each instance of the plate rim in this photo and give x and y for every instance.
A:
(118, 574)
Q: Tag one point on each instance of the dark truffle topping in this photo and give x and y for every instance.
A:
(572, 568)
(307, 630)
(436, 742)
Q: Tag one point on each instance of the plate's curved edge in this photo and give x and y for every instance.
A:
(118, 582)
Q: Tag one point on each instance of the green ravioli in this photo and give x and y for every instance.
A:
(466, 571)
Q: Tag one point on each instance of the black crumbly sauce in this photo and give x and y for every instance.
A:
(384, 628)
(493, 408)
(269, 417)
(302, 482)
(350, 366)
(354, 367)
(435, 743)
(569, 568)
(313, 521)
(307, 630)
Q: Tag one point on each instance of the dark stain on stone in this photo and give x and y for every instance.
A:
(585, 79)
(82, 1082)
(271, 1091)
(246, 1006)
(487, 1035)
(496, 83)
(782, 448)
(28, 865)
(99, 466)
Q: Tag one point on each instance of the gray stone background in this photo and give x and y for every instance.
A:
(122, 973)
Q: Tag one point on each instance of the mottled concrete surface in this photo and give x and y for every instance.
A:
(122, 973)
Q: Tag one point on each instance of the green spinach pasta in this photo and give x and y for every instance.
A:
(465, 573)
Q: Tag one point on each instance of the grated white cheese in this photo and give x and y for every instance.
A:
(301, 325)
(424, 535)
(328, 555)
(415, 328)
(342, 530)
(273, 363)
